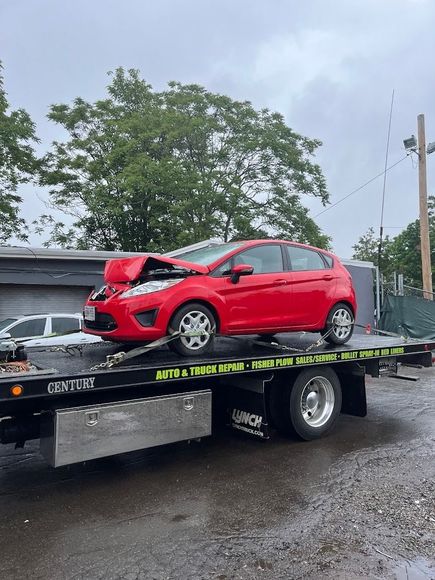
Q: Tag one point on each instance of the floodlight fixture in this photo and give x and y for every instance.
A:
(430, 148)
(410, 143)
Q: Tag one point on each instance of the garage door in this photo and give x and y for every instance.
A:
(17, 299)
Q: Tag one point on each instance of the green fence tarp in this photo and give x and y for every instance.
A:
(409, 316)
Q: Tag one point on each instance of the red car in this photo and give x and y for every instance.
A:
(256, 287)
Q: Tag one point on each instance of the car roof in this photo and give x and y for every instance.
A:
(248, 243)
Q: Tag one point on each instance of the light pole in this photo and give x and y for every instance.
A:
(420, 148)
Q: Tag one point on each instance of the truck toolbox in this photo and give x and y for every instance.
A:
(78, 434)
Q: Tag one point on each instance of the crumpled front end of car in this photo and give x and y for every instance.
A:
(139, 318)
(137, 300)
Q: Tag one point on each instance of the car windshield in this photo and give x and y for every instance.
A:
(206, 256)
(6, 322)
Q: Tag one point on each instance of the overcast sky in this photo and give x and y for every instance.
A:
(328, 66)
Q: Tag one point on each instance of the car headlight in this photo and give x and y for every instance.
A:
(148, 287)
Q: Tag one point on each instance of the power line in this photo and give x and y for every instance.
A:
(381, 228)
(61, 274)
(362, 186)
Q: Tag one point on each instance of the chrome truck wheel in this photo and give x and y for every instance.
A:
(306, 404)
(317, 401)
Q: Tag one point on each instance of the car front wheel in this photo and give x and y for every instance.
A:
(197, 326)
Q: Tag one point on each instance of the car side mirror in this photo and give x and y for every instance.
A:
(5, 336)
(240, 270)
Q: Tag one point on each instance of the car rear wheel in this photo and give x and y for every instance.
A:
(197, 326)
(340, 324)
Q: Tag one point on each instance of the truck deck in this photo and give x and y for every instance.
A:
(61, 374)
(82, 408)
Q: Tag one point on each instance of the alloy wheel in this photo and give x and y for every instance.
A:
(199, 326)
(342, 323)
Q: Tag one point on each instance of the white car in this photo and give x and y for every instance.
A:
(46, 330)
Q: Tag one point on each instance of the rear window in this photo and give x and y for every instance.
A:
(62, 325)
(329, 260)
(303, 259)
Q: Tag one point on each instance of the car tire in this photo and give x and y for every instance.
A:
(193, 316)
(340, 314)
(309, 405)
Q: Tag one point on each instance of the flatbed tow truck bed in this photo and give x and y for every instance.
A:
(81, 412)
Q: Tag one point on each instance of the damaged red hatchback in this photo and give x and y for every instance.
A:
(256, 287)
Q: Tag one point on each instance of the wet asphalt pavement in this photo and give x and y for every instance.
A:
(359, 503)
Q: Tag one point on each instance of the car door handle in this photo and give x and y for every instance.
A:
(280, 282)
(327, 277)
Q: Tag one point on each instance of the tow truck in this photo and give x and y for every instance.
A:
(102, 401)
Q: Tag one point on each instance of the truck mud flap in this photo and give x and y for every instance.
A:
(246, 406)
(353, 390)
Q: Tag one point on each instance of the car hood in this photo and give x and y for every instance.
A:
(129, 269)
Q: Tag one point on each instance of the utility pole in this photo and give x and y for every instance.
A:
(424, 218)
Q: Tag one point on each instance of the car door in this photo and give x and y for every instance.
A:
(254, 303)
(65, 330)
(313, 284)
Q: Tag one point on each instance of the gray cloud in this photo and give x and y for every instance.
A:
(329, 67)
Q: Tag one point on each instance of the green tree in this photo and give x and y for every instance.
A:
(367, 248)
(17, 165)
(400, 254)
(406, 252)
(146, 170)
(250, 168)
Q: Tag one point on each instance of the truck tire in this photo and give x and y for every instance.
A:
(192, 316)
(338, 317)
(309, 406)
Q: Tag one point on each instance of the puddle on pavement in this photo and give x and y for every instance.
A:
(415, 570)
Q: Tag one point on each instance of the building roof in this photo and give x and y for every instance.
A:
(97, 255)
(360, 263)
(62, 254)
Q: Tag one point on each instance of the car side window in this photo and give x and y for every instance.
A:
(62, 325)
(302, 259)
(223, 270)
(329, 260)
(265, 259)
(27, 328)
